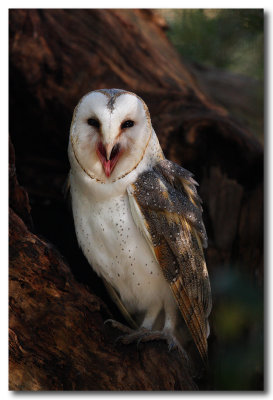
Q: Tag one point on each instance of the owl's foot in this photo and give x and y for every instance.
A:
(143, 335)
(131, 335)
(136, 336)
(119, 326)
(172, 342)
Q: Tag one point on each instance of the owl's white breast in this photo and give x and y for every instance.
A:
(117, 251)
(113, 244)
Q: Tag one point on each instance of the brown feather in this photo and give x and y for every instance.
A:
(169, 202)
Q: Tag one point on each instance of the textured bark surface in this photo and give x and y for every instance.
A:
(18, 197)
(58, 339)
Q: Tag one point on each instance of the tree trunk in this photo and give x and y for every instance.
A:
(58, 339)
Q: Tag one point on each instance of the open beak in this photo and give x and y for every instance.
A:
(108, 156)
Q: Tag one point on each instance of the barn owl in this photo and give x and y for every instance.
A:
(138, 220)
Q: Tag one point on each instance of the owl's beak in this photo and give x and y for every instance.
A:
(108, 155)
(108, 148)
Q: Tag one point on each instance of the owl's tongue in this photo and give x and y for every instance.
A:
(108, 165)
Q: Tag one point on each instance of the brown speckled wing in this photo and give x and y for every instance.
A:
(171, 214)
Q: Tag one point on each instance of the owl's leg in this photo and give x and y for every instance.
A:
(143, 335)
(169, 329)
(146, 334)
(170, 320)
(136, 335)
(150, 317)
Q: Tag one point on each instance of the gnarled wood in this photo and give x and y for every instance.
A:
(58, 340)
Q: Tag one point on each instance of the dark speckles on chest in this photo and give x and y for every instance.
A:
(110, 241)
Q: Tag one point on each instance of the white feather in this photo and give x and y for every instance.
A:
(109, 225)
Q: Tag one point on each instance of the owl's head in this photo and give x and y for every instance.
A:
(109, 133)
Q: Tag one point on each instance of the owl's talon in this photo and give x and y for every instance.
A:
(171, 346)
(119, 326)
(117, 340)
(108, 321)
(144, 335)
(139, 341)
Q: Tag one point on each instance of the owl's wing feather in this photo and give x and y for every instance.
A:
(167, 209)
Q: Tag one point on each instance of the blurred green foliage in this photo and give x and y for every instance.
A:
(230, 39)
(237, 328)
(230, 43)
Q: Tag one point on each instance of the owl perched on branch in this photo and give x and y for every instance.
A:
(138, 220)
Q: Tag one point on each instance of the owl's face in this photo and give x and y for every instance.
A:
(109, 133)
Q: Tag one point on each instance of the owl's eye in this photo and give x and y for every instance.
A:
(127, 124)
(93, 122)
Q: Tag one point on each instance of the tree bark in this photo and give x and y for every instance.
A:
(58, 339)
